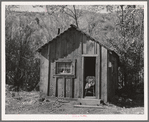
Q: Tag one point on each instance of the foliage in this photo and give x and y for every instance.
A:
(22, 67)
(69, 10)
(128, 43)
(74, 13)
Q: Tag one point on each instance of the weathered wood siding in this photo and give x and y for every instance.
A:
(112, 75)
(89, 47)
(44, 67)
(116, 73)
(98, 72)
(69, 88)
(67, 46)
(60, 83)
(110, 82)
(74, 45)
(104, 72)
(116, 62)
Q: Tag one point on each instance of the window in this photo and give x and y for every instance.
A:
(65, 68)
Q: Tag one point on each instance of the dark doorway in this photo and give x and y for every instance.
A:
(89, 70)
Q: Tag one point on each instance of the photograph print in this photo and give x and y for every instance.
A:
(74, 60)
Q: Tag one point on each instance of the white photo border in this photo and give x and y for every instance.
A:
(71, 117)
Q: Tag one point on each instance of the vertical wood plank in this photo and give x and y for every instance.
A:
(60, 87)
(64, 86)
(75, 45)
(44, 67)
(104, 75)
(115, 75)
(58, 48)
(100, 70)
(116, 84)
(97, 81)
(75, 54)
(109, 82)
(84, 44)
(83, 77)
(56, 89)
(94, 47)
(78, 53)
(49, 70)
(84, 48)
(96, 50)
(81, 37)
(68, 92)
(70, 44)
(64, 48)
(69, 87)
(97, 75)
(52, 79)
(90, 47)
(72, 89)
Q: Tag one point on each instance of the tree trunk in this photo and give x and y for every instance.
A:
(76, 19)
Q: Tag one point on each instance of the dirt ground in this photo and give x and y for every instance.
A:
(31, 103)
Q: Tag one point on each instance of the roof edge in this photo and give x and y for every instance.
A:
(73, 26)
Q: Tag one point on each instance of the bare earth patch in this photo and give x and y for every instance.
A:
(30, 103)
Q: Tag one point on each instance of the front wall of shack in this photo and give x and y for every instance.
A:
(71, 45)
(67, 46)
(74, 45)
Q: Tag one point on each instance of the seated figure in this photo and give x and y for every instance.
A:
(90, 84)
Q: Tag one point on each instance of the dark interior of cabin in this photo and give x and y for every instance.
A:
(89, 70)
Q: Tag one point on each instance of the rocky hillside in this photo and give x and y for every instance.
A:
(46, 26)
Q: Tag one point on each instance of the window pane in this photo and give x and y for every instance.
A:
(60, 67)
(68, 67)
(64, 67)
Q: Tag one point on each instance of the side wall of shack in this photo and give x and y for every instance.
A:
(112, 75)
(109, 74)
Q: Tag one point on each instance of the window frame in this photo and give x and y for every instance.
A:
(72, 74)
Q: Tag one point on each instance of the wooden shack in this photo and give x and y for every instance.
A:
(69, 58)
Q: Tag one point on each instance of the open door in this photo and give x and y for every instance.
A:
(89, 77)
